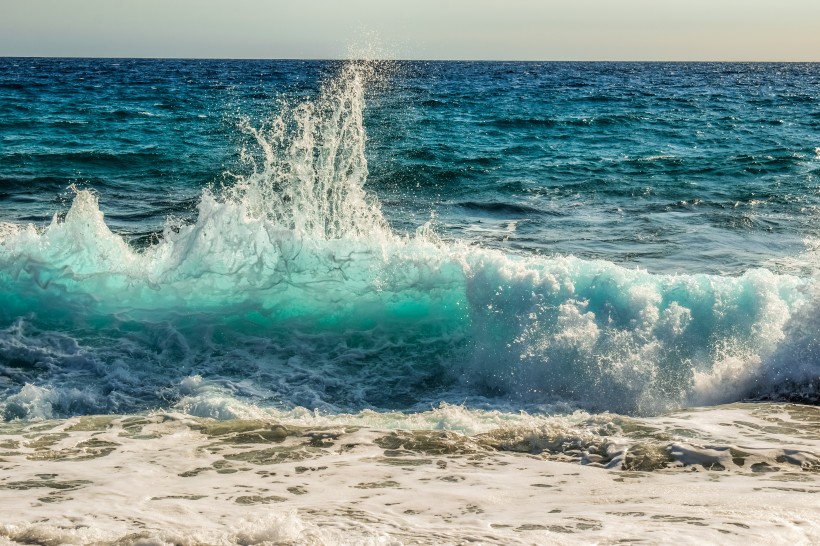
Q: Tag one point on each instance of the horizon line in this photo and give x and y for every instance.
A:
(387, 59)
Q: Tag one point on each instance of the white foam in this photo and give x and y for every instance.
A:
(740, 473)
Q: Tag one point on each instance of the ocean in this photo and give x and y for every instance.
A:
(408, 302)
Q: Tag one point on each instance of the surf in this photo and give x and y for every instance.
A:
(290, 289)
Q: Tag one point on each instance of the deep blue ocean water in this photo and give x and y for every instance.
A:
(217, 235)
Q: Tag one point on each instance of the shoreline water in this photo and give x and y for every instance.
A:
(720, 475)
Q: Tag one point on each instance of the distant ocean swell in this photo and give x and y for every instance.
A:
(290, 290)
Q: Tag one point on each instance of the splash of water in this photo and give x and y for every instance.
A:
(313, 169)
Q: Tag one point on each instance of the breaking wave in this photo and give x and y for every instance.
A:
(290, 290)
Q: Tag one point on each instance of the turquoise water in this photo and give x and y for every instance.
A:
(214, 236)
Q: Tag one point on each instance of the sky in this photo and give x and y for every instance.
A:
(675, 30)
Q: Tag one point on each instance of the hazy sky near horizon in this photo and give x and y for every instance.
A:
(743, 30)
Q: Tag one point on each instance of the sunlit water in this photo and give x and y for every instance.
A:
(520, 255)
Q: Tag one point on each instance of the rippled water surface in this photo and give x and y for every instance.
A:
(225, 238)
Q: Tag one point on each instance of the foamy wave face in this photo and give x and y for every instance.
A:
(289, 289)
(627, 340)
